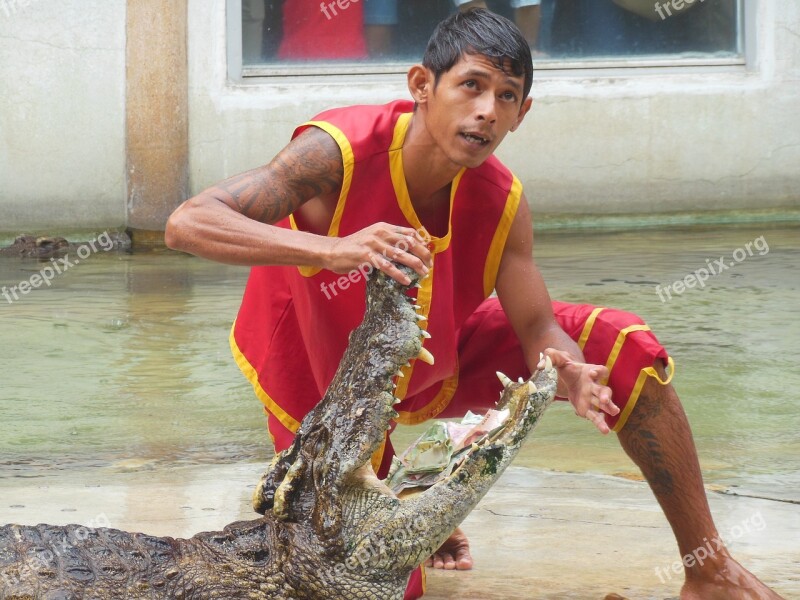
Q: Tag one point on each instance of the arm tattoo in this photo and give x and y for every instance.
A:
(310, 166)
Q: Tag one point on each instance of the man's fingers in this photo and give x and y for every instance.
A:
(411, 244)
(558, 357)
(599, 420)
(403, 245)
(405, 239)
(601, 399)
(409, 253)
(396, 255)
(599, 373)
(382, 263)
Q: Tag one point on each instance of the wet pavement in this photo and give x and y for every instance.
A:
(537, 534)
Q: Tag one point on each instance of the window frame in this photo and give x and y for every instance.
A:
(312, 72)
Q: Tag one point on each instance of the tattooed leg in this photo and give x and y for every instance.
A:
(659, 440)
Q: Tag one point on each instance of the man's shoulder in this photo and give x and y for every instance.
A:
(365, 113)
(364, 129)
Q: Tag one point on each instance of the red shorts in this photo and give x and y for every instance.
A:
(619, 340)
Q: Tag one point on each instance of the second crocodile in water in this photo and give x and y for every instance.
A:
(330, 529)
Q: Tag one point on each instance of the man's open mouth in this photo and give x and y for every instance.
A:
(474, 138)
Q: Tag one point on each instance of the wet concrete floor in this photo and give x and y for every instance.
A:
(537, 534)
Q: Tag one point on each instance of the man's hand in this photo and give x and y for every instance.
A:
(579, 382)
(378, 245)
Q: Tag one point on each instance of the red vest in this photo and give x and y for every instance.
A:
(294, 323)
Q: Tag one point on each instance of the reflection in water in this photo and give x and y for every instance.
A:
(123, 363)
(153, 297)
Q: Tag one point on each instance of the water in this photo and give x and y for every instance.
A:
(123, 362)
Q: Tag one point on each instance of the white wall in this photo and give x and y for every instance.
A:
(62, 126)
(596, 142)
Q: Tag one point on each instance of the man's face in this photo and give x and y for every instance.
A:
(472, 108)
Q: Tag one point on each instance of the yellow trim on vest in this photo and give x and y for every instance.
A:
(587, 327)
(637, 390)
(424, 295)
(251, 374)
(377, 456)
(348, 160)
(439, 244)
(500, 236)
(433, 408)
(618, 343)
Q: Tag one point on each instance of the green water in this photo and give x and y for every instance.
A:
(123, 361)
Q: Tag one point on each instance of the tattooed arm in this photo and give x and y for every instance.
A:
(233, 221)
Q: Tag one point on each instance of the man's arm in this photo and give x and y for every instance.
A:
(526, 302)
(233, 221)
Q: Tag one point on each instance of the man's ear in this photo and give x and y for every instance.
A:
(523, 110)
(420, 83)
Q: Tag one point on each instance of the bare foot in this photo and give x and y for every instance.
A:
(453, 554)
(729, 581)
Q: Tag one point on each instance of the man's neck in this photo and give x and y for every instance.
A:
(427, 170)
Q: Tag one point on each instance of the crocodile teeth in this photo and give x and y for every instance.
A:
(417, 285)
(532, 388)
(421, 318)
(425, 334)
(425, 356)
(520, 380)
(416, 307)
(504, 379)
(396, 401)
(545, 362)
(399, 373)
(408, 364)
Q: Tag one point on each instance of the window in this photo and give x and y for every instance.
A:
(344, 36)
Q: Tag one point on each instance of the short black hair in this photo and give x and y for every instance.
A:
(479, 31)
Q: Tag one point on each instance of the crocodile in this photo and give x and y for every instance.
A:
(51, 247)
(29, 246)
(329, 527)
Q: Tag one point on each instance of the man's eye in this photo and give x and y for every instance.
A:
(471, 83)
(510, 96)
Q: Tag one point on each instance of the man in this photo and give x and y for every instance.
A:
(418, 184)
(527, 15)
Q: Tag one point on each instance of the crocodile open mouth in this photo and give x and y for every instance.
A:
(447, 445)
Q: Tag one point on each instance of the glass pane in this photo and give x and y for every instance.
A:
(286, 32)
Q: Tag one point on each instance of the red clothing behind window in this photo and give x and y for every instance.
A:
(313, 29)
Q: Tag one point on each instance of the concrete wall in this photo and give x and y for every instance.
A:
(62, 126)
(610, 141)
(606, 142)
